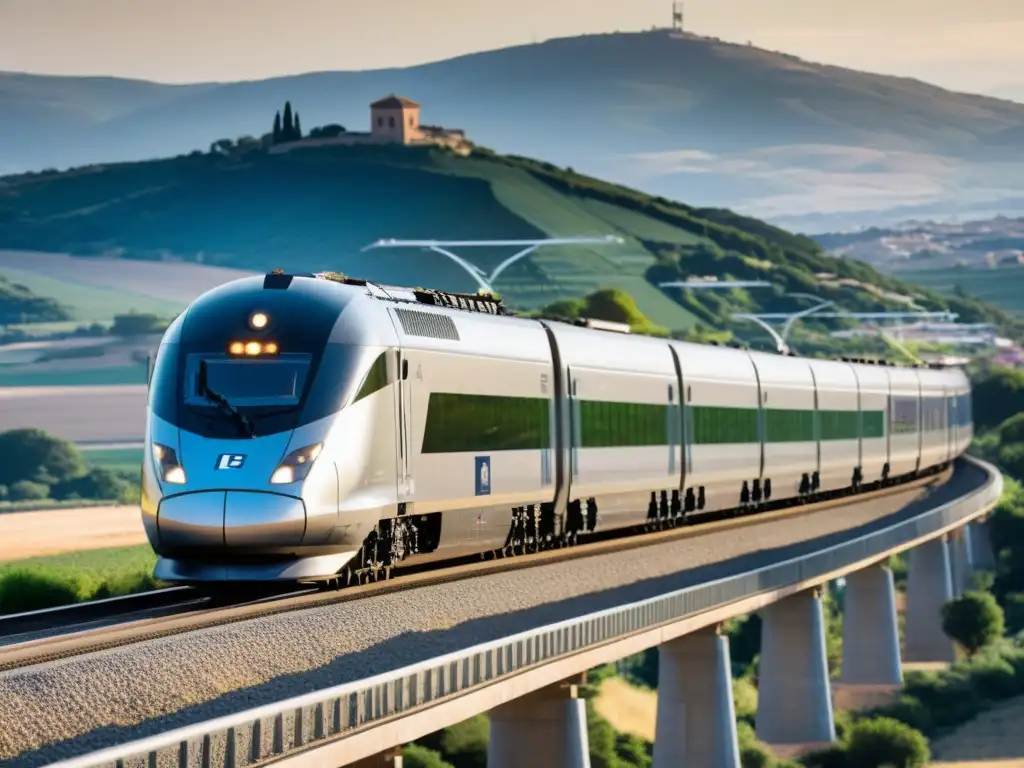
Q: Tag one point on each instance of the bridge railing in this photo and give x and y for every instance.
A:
(283, 728)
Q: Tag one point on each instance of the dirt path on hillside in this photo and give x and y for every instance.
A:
(51, 532)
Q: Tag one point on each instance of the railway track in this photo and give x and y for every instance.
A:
(98, 626)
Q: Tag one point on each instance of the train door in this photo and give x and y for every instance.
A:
(575, 428)
(680, 429)
(404, 422)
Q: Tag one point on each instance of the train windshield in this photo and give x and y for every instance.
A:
(273, 383)
(273, 394)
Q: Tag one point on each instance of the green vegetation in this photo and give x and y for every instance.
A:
(220, 206)
(116, 459)
(47, 582)
(38, 466)
(999, 287)
(974, 620)
(18, 304)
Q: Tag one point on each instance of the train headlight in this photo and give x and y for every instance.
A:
(296, 465)
(167, 463)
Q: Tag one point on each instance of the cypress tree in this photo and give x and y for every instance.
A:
(288, 127)
(277, 127)
(298, 126)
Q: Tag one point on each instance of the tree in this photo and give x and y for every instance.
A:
(416, 756)
(34, 455)
(288, 125)
(974, 620)
(882, 741)
(26, 490)
(277, 128)
(298, 126)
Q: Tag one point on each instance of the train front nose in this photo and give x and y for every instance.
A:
(226, 499)
(235, 519)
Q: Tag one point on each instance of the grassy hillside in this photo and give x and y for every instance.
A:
(683, 115)
(317, 208)
(1001, 287)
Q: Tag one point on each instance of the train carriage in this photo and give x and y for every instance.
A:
(904, 421)
(873, 394)
(839, 425)
(314, 428)
(478, 409)
(624, 425)
(721, 448)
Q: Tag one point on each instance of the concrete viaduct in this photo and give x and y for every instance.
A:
(529, 682)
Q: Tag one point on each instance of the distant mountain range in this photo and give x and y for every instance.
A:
(806, 145)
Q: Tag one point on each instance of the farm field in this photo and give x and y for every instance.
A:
(96, 289)
(120, 459)
(56, 531)
(1003, 287)
(81, 414)
(628, 708)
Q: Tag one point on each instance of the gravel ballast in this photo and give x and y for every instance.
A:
(77, 705)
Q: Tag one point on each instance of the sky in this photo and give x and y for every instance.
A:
(971, 46)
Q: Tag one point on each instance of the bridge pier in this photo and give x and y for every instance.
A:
(871, 639)
(696, 723)
(929, 587)
(794, 703)
(983, 554)
(961, 565)
(544, 729)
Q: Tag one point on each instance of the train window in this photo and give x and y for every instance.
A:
(839, 425)
(789, 426)
(269, 382)
(376, 378)
(904, 414)
(459, 423)
(718, 425)
(621, 425)
(163, 385)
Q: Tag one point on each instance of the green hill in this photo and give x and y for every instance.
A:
(316, 209)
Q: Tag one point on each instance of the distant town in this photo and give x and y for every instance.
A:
(927, 245)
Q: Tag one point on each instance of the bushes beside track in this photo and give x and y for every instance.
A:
(48, 582)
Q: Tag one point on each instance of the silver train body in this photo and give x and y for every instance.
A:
(387, 428)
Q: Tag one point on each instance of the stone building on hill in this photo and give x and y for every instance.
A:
(393, 120)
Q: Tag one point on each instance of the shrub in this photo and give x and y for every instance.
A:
(1013, 608)
(98, 483)
(974, 620)
(32, 454)
(885, 742)
(416, 756)
(27, 590)
(26, 490)
(908, 710)
(991, 675)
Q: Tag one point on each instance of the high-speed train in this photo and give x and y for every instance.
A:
(313, 427)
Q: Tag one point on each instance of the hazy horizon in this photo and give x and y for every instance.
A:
(966, 48)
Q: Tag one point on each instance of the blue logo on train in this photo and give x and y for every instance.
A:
(483, 475)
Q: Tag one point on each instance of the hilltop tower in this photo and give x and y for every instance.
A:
(677, 16)
(395, 119)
